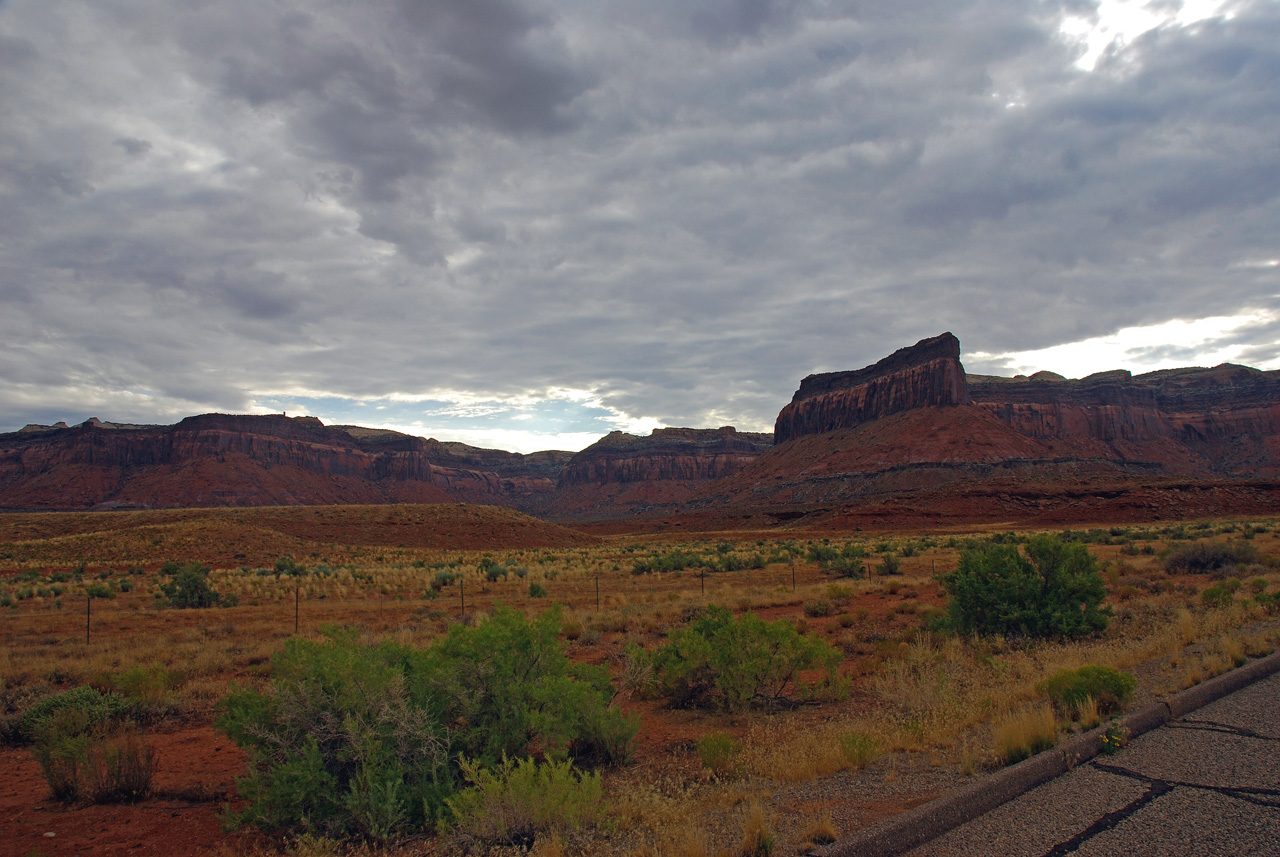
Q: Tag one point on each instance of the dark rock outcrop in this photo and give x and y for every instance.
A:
(927, 374)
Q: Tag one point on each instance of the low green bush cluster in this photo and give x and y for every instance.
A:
(1206, 557)
(366, 740)
(88, 748)
(734, 663)
(1070, 689)
(93, 706)
(1053, 590)
(676, 560)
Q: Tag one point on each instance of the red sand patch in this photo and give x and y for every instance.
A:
(197, 766)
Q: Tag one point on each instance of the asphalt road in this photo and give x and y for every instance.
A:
(1208, 784)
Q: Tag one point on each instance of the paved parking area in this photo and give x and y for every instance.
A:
(1208, 784)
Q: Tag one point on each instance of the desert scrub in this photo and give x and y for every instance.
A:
(189, 587)
(1209, 557)
(719, 752)
(1054, 590)
(515, 801)
(1108, 688)
(92, 706)
(732, 664)
(364, 740)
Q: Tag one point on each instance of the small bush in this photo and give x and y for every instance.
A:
(1204, 557)
(859, 749)
(718, 752)
(1217, 596)
(818, 607)
(286, 566)
(537, 590)
(1109, 688)
(443, 579)
(93, 706)
(83, 754)
(119, 769)
(189, 588)
(93, 590)
(516, 801)
(720, 661)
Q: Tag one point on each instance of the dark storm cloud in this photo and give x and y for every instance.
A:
(683, 207)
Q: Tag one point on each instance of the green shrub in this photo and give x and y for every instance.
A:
(83, 752)
(358, 740)
(1217, 596)
(718, 752)
(537, 590)
(890, 564)
(1069, 689)
(817, 607)
(1203, 557)
(732, 663)
(189, 588)
(1054, 590)
(94, 707)
(149, 690)
(346, 744)
(859, 749)
(93, 590)
(443, 579)
(512, 803)
(286, 566)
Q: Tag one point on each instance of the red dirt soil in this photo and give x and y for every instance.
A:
(196, 771)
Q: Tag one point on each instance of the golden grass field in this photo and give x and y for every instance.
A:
(924, 713)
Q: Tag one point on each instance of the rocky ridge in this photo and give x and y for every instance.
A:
(911, 432)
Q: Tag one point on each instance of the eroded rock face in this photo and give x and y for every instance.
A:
(624, 474)
(670, 453)
(238, 460)
(927, 374)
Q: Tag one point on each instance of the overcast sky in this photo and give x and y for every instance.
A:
(525, 223)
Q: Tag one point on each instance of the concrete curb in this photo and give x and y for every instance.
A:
(924, 823)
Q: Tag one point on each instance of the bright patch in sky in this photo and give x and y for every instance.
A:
(1171, 345)
(1119, 22)
(557, 419)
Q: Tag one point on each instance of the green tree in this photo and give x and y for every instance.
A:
(1053, 590)
(189, 587)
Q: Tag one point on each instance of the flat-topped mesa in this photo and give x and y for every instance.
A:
(667, 453)
(927, 374)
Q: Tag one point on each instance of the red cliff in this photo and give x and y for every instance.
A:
(237, 460)
(927, 374)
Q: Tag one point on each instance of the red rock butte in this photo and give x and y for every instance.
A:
(911, 437)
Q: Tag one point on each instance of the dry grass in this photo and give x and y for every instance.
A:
(822, 831)
(912, 691)
(1020, 734)
(758, 838)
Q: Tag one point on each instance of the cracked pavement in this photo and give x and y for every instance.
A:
(1207, 784)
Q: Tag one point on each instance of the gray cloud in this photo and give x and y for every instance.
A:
(686, 208)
